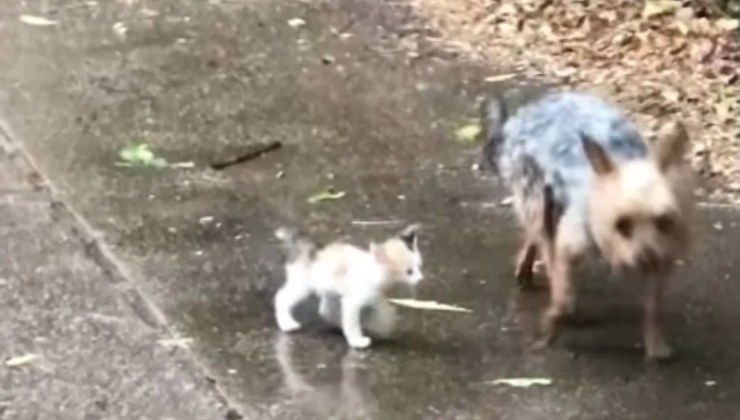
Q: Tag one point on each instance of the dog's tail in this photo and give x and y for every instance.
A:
(493, 117)
(297, 247)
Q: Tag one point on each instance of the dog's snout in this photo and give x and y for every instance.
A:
(648, 259)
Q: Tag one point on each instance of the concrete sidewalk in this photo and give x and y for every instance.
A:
(189, 252)
(94, 347)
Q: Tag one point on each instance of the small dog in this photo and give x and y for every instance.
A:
(582, 175)
(358, 278)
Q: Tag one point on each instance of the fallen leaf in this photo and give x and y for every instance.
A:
(671, 95)
(183, 165)
(500, 77)
(684, 14)
(22, 360)
(296, 23)
(375, 222)
(140, 155)
(429, 305)
(468, 133)
(37, 20)
(120, 29)
(182, 342)
(522, 382)
(701, 49)
(723, 108)
(149, 13)
(659, 7)
(727, 25)
(683, 28)
(702, 26)
(328, 194)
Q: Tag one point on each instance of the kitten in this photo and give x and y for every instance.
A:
(583, 177)
(358, 278)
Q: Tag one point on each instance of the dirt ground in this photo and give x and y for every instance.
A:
(661, 60)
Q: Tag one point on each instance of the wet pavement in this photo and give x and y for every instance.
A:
(89, 353)
(205, 81)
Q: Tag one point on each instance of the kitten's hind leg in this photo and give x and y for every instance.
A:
(382, 319)
(351, 327)
(291, 294)
(329, 309)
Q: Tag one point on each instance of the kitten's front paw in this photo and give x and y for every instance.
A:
(288, 325)
(360, 342)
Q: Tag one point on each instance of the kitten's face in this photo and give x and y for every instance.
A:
(401, 257)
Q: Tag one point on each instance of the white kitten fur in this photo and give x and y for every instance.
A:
(355, 277)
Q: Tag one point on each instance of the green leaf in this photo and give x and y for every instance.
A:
(141, 155)
(328, 194)
(468, 133)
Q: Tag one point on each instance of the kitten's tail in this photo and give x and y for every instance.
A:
(493, 117)
(295, 245)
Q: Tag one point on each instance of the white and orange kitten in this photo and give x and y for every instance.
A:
(356, 277)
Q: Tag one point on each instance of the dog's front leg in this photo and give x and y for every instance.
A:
(655, 344)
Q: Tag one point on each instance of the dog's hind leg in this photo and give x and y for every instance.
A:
(524, 264)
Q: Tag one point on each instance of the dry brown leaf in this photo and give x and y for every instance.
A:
(659, 7)
(620, 48)
(671, 95)
(727, 25)
(684, 14)
(701, 49)
(722, 108)
(682, 27)
(702, 26)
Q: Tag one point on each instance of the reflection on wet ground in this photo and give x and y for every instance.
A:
(342, 397)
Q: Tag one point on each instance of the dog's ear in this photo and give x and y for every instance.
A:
(670, 148)
(410, 236)
(596, 156)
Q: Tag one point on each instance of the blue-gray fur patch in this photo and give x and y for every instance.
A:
(547, 134)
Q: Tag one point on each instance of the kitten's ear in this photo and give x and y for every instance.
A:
(596, 156)
(410, 236)
(670, 148)
(378, 252)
